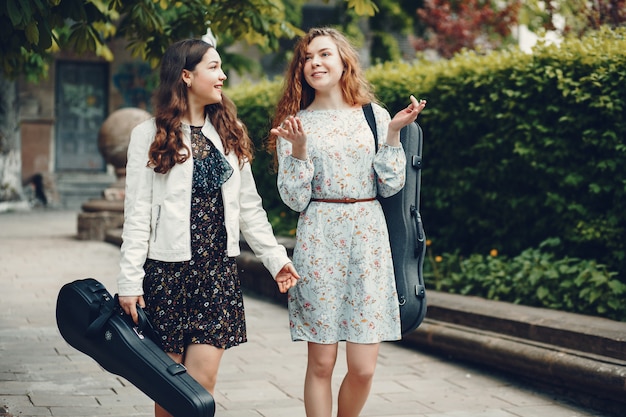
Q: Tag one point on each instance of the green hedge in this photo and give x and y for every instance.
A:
(519, 148)
(256, 105)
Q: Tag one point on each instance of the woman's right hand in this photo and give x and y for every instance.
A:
(129, 305)
(292, 131)
(287, 277)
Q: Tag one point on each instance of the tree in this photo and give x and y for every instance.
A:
(453, 25)
(10, 181)
(572, 17)
(31, 31)
(394, 18)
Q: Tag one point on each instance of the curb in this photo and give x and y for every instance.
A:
(594, 381)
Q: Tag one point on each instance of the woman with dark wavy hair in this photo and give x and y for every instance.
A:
(189, 193)
(330, 171)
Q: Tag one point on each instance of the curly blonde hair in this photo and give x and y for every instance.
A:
(297, 94)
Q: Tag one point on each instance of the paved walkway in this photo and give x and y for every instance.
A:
(41, 375)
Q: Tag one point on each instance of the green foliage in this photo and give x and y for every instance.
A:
(385, 47)
(30, 30)
(572, 16)
(27, 32)
(393, 17)
(151, 26)
(535, 277)
(522, 147)
(256, 105)
(362, 7)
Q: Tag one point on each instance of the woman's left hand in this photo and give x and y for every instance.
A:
(407, 115)
(287, 277)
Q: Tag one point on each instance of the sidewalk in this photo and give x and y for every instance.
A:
(41, 375)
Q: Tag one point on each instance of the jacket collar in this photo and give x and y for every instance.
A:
(209, 131)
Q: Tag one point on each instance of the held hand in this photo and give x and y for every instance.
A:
(287, 277)
(291, 130)
(407, 115)
(129, 305)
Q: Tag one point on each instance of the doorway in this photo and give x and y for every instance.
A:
(81, 108)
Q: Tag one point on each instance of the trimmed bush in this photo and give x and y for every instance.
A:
(535, 277)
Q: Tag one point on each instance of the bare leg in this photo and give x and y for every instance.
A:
(202, 362)
(158, 410)
(357, 383)
(318, 400)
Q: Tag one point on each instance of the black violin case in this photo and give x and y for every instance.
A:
(406, 231)
(91, 320)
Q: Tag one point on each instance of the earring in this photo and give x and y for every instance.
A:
(189, 85)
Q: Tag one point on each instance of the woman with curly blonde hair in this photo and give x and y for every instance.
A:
(330, 172)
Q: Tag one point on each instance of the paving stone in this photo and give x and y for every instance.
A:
(41, 375)
(552, 410)
(100, 411)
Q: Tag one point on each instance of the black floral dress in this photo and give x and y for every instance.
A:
(199, 301)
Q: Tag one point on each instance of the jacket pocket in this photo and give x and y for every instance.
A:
(156, 216)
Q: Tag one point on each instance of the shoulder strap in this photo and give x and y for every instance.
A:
(105, 310)
(371, 120)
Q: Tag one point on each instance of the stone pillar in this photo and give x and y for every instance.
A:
(104, 214)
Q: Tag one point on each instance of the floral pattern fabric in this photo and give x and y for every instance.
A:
(199, 301)
(347, 287)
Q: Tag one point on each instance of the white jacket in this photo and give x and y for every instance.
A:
(157, 211)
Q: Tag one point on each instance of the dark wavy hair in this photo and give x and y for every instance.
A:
(171, 104)
(297, 94)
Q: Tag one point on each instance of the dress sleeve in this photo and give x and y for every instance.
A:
(390, 161)
(390, 167)
(294, 177)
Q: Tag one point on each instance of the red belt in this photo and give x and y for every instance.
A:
(343, 200)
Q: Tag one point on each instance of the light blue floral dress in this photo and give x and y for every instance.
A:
(347, 288)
